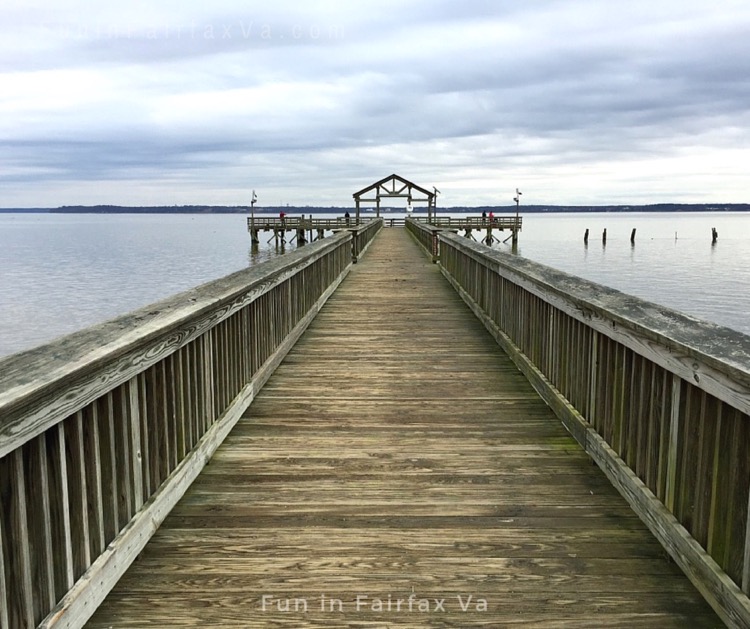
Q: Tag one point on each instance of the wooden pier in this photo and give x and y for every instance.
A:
(381, 455)
(304, 229)
(397, 451)
(310, 229)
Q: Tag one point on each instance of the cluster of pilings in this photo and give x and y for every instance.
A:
(714, 236)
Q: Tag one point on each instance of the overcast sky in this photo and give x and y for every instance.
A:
(182, 102)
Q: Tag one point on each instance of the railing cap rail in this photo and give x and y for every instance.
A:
(33, 372)
(722, 348)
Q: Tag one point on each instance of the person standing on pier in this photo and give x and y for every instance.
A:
(282, 216)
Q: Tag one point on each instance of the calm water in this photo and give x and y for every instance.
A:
(60, 273)
(672, 263)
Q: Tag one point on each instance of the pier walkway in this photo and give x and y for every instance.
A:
(397, 451)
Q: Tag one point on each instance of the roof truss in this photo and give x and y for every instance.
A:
(396, 187)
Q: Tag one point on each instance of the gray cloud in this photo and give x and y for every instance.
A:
(199, 103)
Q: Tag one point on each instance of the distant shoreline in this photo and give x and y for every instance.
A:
(497, 209)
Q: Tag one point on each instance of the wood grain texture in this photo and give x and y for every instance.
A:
(397, 451)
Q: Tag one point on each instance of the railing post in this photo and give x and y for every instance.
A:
(674, 430)
(591, 415)
(355, 244)
(137, 453)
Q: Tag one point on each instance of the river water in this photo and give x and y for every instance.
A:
(62, 272)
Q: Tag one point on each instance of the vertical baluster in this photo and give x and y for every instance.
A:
(736, 514)
(180, 390)
(4, 593)
(170, 409)
(674, 434)
(19, 580)
(123, 449)
(745, 584)
(593, 402)
(78, 492)
(144, 442)
(160, 421)
(93, 470)
(208, 381)
(652, 416)
(109, 481)
(137, 453)
(638, 440)
(39, 514)
(60, 515)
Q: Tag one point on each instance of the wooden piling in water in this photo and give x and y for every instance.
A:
(714, 235)
(604, 236)
(586, 237)
(632, 236)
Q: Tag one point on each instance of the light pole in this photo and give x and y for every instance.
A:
(253, 235)
(517, 199)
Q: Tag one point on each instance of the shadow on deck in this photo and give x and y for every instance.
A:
(395, 452)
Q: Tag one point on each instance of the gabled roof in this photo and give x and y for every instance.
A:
(394, 178)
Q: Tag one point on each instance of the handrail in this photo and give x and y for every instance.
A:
(302, 222)
(101, 432)
(660, 400)
(426, 235)
(478, 222)
(363, 236)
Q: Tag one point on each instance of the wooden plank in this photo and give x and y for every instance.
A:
(22, 612)
(136, 451)
(123, 453)
(739, 483)
(61, 515)
(40, 524)
(380, 459)
(92, 458)
(673, 447)
(108, 444)
(78, 494)
(181, 386)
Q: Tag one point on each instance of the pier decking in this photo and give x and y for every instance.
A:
(398, 451)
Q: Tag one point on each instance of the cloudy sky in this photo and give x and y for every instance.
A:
(182, 102)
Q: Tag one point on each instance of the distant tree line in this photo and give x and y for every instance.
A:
(496, 209)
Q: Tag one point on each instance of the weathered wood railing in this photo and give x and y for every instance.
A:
(102, 431)
(303, 222)
(476, 222)
(426, 235)
(363, 236)
(661, 402)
